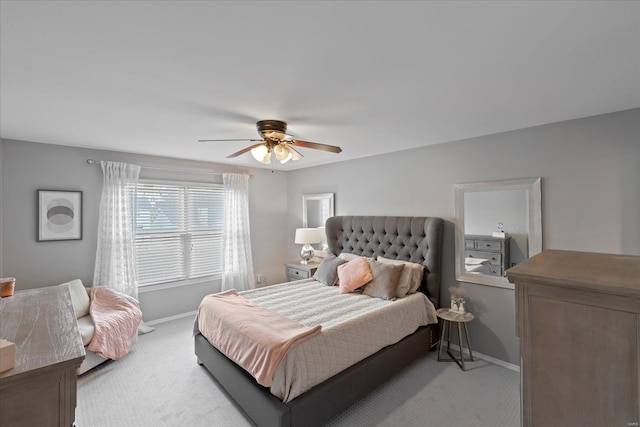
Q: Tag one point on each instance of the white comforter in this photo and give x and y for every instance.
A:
(354, 326)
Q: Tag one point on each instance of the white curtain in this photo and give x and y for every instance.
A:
(236, 245)
(115, 256)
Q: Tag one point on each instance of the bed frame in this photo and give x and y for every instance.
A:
(415, 239)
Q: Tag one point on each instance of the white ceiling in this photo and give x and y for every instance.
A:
(371, 77)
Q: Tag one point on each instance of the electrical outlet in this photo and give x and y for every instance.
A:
(260, 278)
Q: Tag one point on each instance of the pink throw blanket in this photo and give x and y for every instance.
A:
(116, 318)
(254, 338)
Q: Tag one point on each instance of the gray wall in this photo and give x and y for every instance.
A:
(1, 235)
(28, 166)
(590, 170)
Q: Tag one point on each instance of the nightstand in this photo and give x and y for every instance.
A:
(297, 271)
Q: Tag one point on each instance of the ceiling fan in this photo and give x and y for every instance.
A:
(275, 140)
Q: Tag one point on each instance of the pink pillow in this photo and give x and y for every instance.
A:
(354, 274)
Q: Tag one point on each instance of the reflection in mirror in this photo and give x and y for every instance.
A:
(498, 226)
(316, 209)
(483, 212)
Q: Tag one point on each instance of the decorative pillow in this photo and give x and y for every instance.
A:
(354, 274)
(417, 273)
(385, 280)
(327, 271)
(411, 276)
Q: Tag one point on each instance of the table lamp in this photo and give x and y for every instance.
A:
(306, 237)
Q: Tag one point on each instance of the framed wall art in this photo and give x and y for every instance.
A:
(59, 215)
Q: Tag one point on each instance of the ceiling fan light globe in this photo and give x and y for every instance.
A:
(267, 158)
(259, 152)
(286, 159)
(281, 152)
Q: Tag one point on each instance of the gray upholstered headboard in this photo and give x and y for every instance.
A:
(415, 239)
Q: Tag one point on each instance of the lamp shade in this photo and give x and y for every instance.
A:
(308, 236)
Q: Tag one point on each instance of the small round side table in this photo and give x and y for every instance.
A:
(461, 319)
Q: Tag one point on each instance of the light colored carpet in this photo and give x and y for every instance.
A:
(160, 384)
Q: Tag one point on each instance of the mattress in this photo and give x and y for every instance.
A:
(354, 326)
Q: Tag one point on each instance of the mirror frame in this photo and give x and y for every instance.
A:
(532, 186)
(318, 196)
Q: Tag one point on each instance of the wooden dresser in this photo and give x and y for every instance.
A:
(578, 319)
(41, 389)
(495, 249)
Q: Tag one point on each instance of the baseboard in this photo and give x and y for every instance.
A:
(170, 318)
(489, 359)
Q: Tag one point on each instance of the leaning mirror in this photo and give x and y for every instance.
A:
(498, 225)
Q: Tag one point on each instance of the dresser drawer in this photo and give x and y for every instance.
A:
(496, 270)
(488, 245)
(297, 273)
(495, 258)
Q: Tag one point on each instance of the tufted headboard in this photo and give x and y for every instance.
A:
(415, 239)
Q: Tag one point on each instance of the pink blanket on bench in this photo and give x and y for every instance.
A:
(254, 338)
(116, 318)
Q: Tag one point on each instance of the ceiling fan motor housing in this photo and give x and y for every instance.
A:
(266, 127)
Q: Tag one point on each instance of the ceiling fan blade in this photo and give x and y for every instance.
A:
(229, 140)
(244, 150)
(316, 146)
(295, 154)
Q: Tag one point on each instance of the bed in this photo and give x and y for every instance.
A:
(477, 265)
(414, 239)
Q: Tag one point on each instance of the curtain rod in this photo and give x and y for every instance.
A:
(97, 162)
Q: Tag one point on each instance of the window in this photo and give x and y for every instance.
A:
(178, 231)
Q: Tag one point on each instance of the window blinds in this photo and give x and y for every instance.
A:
(178, 232)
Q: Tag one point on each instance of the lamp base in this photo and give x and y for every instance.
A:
(306, 254)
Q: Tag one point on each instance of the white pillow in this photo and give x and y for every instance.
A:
(350, 257)
(79, 298)
(410, 278)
